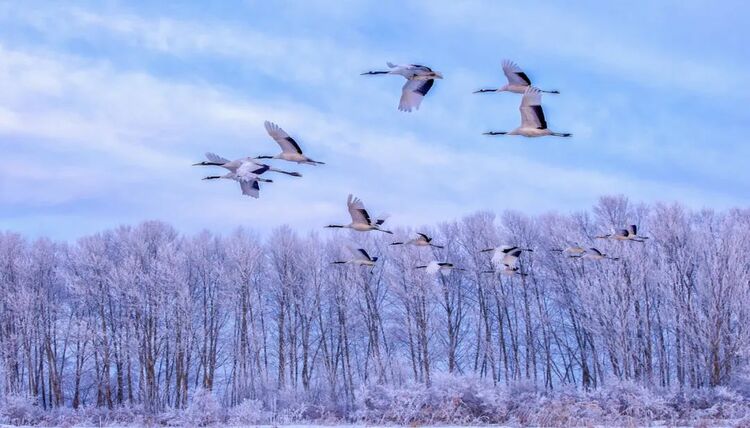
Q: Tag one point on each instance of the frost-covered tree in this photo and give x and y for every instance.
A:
(144, 317)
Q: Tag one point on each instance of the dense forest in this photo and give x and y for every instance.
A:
(144, 317)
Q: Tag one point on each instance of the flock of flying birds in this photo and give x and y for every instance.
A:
(248, 171)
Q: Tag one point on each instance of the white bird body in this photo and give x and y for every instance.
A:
(246, 171)
(506, 255)
(533, 122)
(572, 251)
(518, 81)
(290, 150)
(361, 259)
(422, 240)
(507, 271)
(361, 220)
(435, 267)
(419, 81)
(595, 254)
(247, 163)
(575, 250)
(249, 181)
(629, 234)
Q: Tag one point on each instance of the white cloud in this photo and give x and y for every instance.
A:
(137, 134)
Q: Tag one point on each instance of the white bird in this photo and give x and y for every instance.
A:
(506, 255)
(361, 220)
(435, 266)
(421, 240)
(419, 81)
(533, 123)
(248, 163)
(290, 150)
(248, 176)
(518, 81)
(361, 258)
(594, 254)
(572, 251)
(507, 270)
(629, 234)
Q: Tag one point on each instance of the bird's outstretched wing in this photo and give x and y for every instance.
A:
(379, 220)
(511, 259)
(250, 188)
(515, 75)
(633, 229)
(248, 168)
(621, 232)
(213, 157)
(361, 252)
(532, 115)
(357, 210)
(413, 92)
(286, 142)
(426, 238)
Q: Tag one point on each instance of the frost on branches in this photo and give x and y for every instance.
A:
(144, 325)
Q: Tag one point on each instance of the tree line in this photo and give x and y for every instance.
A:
(146, 315)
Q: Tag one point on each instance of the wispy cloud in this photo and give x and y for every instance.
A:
(116, 137)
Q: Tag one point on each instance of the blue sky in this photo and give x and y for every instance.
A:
(105, 105)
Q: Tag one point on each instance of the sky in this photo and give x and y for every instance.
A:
(105, 105)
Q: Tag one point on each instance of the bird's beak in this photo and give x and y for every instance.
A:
(438, 75)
